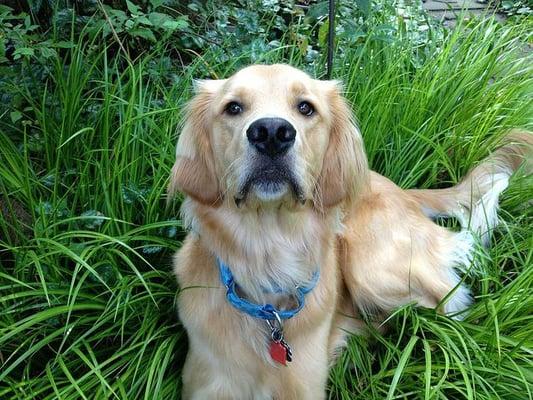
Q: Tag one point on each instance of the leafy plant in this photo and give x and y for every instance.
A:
(20, 39)
(140, 25)
(521, 8)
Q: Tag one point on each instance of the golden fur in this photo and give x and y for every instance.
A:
(374, 243)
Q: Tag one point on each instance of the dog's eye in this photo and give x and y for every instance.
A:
(305, 108)
(233, 108)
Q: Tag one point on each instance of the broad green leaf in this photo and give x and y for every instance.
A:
(173, 25)
(132, 8)
(318, 10)
(47, 52)
(144, 33)
(143, 20)
(62, 44)
(158, 19)
(15, 116)
(23, 51)
(364, 6)
(156, 3)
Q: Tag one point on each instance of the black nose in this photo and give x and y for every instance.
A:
(271, 136)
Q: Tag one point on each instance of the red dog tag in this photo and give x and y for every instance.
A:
(278, 352)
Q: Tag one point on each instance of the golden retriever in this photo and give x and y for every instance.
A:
(278, 191)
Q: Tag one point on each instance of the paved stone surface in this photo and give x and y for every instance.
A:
(448, 10)
(442, 5)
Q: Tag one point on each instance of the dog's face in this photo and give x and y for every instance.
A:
(268, 126)
(266, 135)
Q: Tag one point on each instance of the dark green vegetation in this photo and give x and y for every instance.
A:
(519, 8)
(87, 135)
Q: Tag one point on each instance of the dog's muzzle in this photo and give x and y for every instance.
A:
(271, 169)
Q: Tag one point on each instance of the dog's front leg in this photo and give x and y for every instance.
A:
(207, 376)
(305, 378)
(224, 372)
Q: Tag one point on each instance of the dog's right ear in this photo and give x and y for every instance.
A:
(193, 172)
(344, 172)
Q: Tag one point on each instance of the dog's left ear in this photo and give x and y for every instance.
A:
(344, 171)
(194, 170)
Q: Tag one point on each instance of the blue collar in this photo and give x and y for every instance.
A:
(265, 311)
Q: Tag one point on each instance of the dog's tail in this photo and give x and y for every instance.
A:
(474, 201)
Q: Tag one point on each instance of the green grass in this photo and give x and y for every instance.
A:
(86, 290)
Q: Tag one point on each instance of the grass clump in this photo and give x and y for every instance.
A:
(86, 289)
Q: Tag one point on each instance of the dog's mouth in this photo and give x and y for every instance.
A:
(270, 183)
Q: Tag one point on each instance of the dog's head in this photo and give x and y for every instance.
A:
(269, 134)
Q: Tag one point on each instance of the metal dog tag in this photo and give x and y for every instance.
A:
(280, 351)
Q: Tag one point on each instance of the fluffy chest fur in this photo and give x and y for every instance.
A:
(272, 250)
(266, 249)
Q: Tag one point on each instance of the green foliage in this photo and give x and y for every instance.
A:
(139, 25)
(253, 26)
(87, 138)
(520, 8)
(217, 33)
(20, 39)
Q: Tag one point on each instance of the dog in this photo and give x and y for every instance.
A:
(292, 237)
